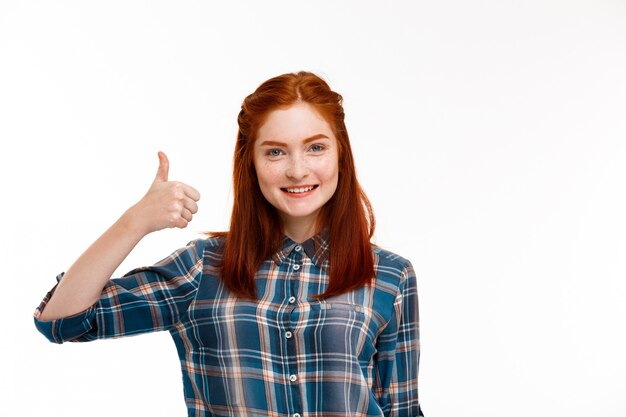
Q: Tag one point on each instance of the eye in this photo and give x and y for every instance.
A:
(317, 148)
(274, 152)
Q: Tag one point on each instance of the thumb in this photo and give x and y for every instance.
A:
(164, 167)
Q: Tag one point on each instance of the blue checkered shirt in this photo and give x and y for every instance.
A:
(285, 354)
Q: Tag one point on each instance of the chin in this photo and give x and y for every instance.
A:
(299, 214)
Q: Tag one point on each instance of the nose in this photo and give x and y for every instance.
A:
(297, 168)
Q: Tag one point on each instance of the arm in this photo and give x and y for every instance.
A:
(397, 364)
(166, 204)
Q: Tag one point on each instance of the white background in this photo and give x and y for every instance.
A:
(490, 136)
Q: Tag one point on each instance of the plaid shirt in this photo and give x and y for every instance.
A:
(285, 354)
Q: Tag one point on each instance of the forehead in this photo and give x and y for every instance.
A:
(293, 123)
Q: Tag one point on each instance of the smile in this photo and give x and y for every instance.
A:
(297, 190)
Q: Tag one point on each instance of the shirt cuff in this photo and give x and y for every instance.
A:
(65, 329)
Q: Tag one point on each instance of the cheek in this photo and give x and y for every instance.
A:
(329, 170)
(267, 173)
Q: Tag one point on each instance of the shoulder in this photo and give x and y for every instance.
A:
(210, 247)
(390, 261)
(391, 267)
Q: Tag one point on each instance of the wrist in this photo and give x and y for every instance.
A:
(132, 223)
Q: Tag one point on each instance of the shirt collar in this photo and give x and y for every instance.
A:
(316, 248)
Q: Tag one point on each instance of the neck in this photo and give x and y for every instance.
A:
(299, 231)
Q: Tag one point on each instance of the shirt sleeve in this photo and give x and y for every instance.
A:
(397, 361)
(144, 300)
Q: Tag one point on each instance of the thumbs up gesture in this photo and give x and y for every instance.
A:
(167, 203)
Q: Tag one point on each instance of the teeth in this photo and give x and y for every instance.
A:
(299, 190)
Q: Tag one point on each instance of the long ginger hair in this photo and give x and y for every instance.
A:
(256, 229)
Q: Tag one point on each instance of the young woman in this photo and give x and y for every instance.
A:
(292, 312)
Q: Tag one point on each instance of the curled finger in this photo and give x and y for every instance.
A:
(186, 214)
(191, 192)
(190, 205)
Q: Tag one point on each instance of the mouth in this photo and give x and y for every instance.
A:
(299, 190)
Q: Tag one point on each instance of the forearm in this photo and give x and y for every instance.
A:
(83, 282)
(166, 204)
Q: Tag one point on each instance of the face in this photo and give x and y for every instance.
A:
(297, 164)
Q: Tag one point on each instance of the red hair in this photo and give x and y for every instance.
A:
(256, 229)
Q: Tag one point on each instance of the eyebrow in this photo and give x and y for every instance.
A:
(307, 140)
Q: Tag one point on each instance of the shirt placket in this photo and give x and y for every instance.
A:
(293, 377)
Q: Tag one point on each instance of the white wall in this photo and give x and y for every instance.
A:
(491, 137)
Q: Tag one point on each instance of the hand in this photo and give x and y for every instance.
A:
(167, 204)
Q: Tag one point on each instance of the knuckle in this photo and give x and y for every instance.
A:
(178, 186)
(177, 207)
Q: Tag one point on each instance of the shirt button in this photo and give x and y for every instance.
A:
(296, 267)
(298, 248)
(292, 299)
(293, 378)
(288, 335)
